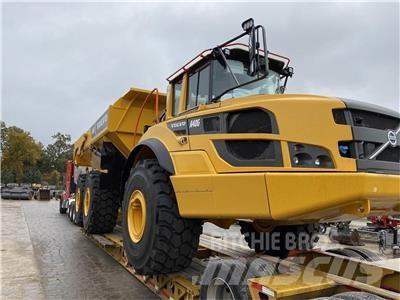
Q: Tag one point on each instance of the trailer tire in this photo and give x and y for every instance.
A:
(227, 278)
(71, 212)
(62, 209)
(80, 190)
(157, 240)
(100, 206)
(261, 244)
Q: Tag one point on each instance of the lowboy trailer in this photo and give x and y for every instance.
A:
(348, 273)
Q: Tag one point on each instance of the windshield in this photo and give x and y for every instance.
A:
(223, 81)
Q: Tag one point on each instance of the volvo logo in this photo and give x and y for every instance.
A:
(392, 138)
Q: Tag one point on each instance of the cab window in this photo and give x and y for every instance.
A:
(177, 97)
(199, 88)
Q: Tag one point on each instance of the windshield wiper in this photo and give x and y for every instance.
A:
(227, 64)
(218, 98)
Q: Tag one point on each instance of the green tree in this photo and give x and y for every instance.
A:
(54, 178)
(7, 176)
(32, 175)
(3, 134)
(19, 152)
(57, 154)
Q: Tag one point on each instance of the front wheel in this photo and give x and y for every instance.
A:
(156, 238)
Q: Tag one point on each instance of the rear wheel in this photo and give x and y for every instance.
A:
(100, 206)
(80, 190)
(281, 239)
(156, 238)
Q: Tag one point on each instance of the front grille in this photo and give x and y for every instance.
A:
(363, 150)
(370, 119)
(370, 132)
(390, 154)
(363, 118)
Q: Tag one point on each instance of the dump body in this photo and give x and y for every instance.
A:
(122, 124)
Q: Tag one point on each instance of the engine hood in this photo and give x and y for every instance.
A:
(355, 104)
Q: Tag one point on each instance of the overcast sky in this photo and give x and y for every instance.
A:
(63, 64)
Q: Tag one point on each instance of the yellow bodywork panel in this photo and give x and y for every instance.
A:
(192, 162)
(331, 196)
(117, 125)
(287, 197)
(222, 196)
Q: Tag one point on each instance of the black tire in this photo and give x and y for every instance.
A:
(227, 279)
(301, 237)
(61, 209)
(366, 254)
(80, 192)
(71, 209)
(102, 213)
(72, 215)
(168, 242)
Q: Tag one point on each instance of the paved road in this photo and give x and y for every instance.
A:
(44, 256)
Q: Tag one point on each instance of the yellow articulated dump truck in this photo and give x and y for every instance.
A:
(226, 145)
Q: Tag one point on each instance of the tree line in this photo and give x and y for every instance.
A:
(24, 160)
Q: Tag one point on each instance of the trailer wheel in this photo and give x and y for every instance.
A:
(100, 206)
(301, 237)
(359, 253)
(62, 209)
(71, 212)
(227, 278)
(80, 189)
(156, 239)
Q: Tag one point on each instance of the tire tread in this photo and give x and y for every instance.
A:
(177, 238)
(104, 206)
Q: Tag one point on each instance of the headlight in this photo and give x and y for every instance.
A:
(309, 156)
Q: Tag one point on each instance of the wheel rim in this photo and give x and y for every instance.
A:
(219, 289)
(77, 200)
(86, 202)
(136, 216)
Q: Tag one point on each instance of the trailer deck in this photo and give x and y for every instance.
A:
(309, 273)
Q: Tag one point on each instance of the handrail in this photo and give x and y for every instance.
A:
(202, 55)
(141, 111)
